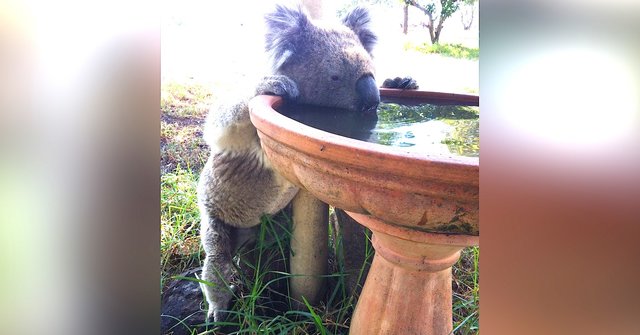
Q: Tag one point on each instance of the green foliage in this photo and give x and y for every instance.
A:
(436, 13)
(448, 8)
(449, 50)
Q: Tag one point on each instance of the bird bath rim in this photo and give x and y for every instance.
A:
(319, 143)
(431, 193)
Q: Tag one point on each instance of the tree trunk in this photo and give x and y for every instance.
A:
(436, 37)
(405, 24)
(432, 32)
(467, 15)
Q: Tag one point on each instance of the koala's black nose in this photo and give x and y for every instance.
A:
(368, 94)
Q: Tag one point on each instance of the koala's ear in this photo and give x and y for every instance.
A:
(358, 20)
(285, 27)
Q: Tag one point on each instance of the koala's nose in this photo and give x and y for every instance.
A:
(368, 93)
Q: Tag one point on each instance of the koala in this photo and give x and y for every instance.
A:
(312, 62)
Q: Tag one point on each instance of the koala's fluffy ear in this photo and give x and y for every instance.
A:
(285, 26)
(358, 20)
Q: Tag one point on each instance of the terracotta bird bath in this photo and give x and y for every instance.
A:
(421, 208)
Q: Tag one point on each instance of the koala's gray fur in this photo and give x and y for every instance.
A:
(313, 63)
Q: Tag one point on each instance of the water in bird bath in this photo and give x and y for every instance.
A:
(440, 129)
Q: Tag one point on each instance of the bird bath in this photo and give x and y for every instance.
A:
(422, 209)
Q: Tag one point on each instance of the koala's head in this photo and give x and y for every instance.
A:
(331, 63)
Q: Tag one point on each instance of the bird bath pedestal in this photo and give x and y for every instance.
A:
(408, 289)
(421, 209)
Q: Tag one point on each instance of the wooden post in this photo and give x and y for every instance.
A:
(309, 247)
(314, 7)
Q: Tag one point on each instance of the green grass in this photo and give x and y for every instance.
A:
(449, 50)
(262, 304)
(186, 101)
(179, 223)
(466, 292)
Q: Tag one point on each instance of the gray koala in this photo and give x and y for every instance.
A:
(313, 62)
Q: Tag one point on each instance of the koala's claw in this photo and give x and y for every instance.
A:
(278, 85)
(403, 83)
(216, 315)
(218, 302)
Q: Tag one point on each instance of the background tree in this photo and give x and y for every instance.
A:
(467, 13)
(436, 11)
(405, 21)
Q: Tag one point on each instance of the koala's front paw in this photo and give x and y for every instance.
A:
(278, 85)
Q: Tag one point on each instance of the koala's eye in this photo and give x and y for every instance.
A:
(335, 78)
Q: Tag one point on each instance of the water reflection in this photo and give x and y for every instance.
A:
(428, 128)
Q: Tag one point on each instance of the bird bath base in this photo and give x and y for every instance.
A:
(408, 289)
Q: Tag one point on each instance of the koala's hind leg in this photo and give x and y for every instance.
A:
(217, 269)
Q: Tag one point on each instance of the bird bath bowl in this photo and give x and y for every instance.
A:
(421, 208)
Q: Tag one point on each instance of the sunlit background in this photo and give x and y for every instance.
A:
(203, 42)
(79, 123)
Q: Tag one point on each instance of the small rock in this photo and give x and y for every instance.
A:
(182, 306)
